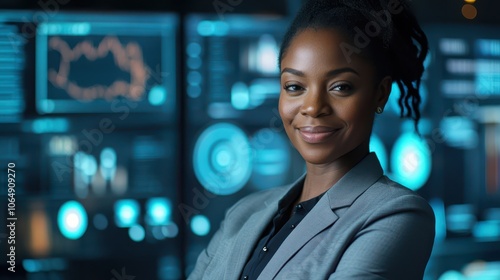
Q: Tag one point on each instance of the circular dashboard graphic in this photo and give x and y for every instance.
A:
(222, 159)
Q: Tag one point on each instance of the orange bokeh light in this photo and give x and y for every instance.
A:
(469, 11)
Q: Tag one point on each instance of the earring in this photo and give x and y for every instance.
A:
(379, 110)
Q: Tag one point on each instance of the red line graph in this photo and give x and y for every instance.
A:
(128, 58)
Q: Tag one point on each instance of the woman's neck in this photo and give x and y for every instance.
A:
(320, 177)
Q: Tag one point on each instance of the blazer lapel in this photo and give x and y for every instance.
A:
(246, 240)
(322, 216)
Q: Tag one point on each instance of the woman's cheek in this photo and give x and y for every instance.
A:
(288, 109)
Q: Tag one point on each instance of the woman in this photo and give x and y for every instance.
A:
(344, 219)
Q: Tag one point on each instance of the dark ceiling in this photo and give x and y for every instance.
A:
(428, 11)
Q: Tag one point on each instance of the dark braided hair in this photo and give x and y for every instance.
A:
(397, 46)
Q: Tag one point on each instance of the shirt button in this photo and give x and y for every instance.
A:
(264, 249)
(245, 277)
(299, 206)
(293, 226)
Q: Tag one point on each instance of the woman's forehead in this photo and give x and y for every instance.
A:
(320, 48)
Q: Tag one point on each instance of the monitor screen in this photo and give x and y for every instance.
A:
(468, 59)
(93, 104)
(236, 143)
(87, 63)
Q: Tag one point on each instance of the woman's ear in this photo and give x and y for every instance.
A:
(383, 91)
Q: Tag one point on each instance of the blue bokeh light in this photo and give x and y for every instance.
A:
(267, 55)
(157, 96)
(44, 265)
(126, 212)
(136, 233)
(452, 275)
(193, 49)
(212, 28)
(159, 211)
(200, 225)
(72, 220)
(52, 125)
(411, 161)
(108, 163)
(100, 221)
(240, 96)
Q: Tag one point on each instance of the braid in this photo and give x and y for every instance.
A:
(398, 49)
(408, 62)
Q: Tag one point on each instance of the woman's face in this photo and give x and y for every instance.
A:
(327, 104)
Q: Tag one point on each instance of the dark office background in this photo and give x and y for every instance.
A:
(132, 126)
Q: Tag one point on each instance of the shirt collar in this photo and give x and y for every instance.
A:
(292, 195)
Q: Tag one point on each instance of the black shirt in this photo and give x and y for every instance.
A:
(277, 231)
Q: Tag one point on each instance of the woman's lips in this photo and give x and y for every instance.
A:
(316, 134)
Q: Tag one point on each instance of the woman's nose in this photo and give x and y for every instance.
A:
(316, 104)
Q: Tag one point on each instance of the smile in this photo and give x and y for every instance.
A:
(316, 134)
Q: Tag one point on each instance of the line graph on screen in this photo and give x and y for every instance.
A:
(126, 57)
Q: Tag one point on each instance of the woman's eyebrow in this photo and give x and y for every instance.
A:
(329, 74)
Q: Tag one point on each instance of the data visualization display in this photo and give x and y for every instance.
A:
(13, 61)
(469, 61)
(232, 69)
(86, 63)
(235, 140)
(89, 114)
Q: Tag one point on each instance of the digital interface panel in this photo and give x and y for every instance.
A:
(97, 173)
(236, 142)
(466, 73)
(90, 198)
(85, 63)
(231, 65)
(469, 62)
(94, 204)
(464, 189)
(13, 61)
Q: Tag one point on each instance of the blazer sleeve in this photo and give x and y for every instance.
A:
(207, 254)
(395, 242)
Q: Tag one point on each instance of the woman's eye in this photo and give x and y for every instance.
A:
(293, 88)
(342, 87)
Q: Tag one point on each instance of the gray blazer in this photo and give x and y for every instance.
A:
(364, 227)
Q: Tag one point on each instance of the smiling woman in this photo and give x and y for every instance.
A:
(327, 104)
(344, 219)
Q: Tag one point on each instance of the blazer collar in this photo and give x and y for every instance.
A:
(341, 194)
(355, 182)
(257, 222)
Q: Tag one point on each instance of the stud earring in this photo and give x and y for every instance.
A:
(379, 110)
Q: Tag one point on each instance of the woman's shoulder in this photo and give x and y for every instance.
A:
(386, 192)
